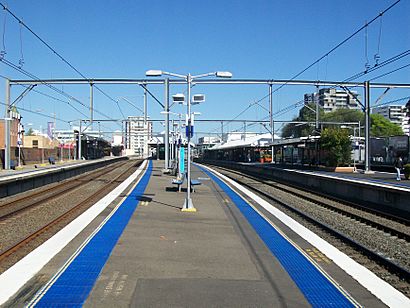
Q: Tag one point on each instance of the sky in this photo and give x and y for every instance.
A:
(255, 39)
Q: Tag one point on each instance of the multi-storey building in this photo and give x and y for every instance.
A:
(331, 99)
(206, 143)
(396, 114)
(137, 134)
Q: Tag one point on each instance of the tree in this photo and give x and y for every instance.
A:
(381, 127)
(306, 114)
(30, 132)
(344, 115)
(337, 143)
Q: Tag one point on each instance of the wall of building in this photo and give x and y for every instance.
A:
(13, 133)
(35, 156)
(40, 141)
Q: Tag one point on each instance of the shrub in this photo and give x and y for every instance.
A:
(407, 171)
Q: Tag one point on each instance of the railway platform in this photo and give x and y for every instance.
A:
(138, 249)
(376, 177)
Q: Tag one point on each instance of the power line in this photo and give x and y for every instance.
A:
(388, 73)
(393, 101)
(339, 45)
(22, 24)
(34, 77)
(49, 96)
(38, 113)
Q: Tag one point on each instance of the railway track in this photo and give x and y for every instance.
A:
(37, 197)
(52, 226)
(346, 219)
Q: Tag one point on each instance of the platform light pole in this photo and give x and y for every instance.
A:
(188, 205)
(176, 99)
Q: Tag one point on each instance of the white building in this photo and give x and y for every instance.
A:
(206, 143)
(67, 135)
(396, 114)
(331, 99)
(137, 134)
(117, 138)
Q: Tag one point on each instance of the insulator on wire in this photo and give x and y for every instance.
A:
(376, 59)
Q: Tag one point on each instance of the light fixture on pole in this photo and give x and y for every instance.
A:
(188, 205)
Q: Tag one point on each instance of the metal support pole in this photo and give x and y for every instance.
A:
(244, 130)
(145, 120)
(272, 132)
(173, 142)
(166, 109)
(222, 131)
(91, 105)
(7, 128)
(367, 126)
(79, 141)
(317, 108)
(188, 206)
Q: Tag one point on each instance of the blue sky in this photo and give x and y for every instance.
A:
(252, 39)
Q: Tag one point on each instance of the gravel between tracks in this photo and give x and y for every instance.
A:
(389, 246)
(15, 229)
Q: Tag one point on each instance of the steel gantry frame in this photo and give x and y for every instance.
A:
(166, 82)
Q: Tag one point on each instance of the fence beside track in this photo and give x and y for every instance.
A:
(388, 200)
(26, 181)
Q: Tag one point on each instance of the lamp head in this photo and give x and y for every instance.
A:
(153, 73)
(198, 98)
(223, 74)
(178, 98)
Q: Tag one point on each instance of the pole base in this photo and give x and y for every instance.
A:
(188, 206)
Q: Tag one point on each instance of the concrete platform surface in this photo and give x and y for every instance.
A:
(169, 258)
(211, 258)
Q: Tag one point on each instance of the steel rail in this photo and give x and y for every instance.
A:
(14, 248)
(374, 224)
(38, 197)
(387, 263)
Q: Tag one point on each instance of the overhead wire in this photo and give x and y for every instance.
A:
(333, 49)
(388, 73)
(377, 55)
(21, 60)
(38, 113)
(34, 77)
(3, 51)
(54, 51)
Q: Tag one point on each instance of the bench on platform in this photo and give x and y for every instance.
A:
(179, 181)
(194, 183)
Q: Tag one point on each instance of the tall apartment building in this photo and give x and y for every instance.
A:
(396, 114)
(137, 135)
(331, 99)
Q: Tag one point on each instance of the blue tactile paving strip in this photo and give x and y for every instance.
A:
(317, 288)
(72, 287)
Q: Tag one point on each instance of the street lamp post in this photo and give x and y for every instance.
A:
(188, 205)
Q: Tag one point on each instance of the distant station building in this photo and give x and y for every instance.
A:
(232, 136)
(206, 143)
(396, 114)
(67, 136)
(137, 135)
(331, 99)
